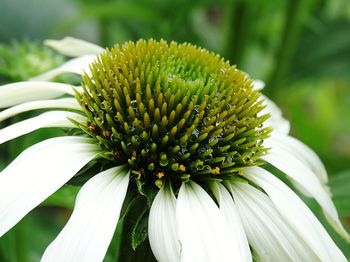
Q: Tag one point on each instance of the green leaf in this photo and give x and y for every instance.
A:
(139, 232)
(343, 206)
(330, 58)
(87, 172)
(340, 187)
(132, 238)
(135, 215)
(340, 184)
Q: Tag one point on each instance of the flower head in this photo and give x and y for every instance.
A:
(189, 131)
(173, 112)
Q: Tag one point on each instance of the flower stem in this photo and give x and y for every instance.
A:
(295, 14)
(238, 29)
(104, 31)
(20, 243)
(13, 246)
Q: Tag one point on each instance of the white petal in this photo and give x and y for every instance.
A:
(304, 178)
(300, 151)
(296, 214)
(77, 65)
(162, 231)
(230, 212)
(267, 233)
(278, 123)
(203, 231)
(48, 119)
(258, 84)
(71, 46)
(38, 172)
(90, 229)
(22, 92)
(64, 103)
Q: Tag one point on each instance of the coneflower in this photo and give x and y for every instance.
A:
(184, 128)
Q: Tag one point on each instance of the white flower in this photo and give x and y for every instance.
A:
(252, 211)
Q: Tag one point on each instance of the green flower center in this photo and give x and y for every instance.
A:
(173, 111)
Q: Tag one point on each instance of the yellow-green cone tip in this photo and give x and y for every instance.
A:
(173, 111)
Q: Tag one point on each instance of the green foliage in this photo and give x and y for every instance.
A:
(64, 197)
(139, 232)
(132, 241)
(320, 117)
(340, 185)
(27, 241)
(21, 60)
(327, 46)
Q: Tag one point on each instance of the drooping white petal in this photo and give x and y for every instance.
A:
(22, 92)
(230, 212)
(296, 214)
(47, 119)
(300, 151)
(267, 233)
(90, 229)
(77, 65)
(38, 172)
(278, 123)
(302, 176)
(258, 84)
(203, 231)
(63, 103)
(162, 228)
(71, 46)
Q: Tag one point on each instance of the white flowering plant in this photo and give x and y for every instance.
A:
(181, 128)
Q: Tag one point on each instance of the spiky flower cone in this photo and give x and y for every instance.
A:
(173, 111)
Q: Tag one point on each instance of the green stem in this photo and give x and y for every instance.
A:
(104, 32)
(7, 249)
(295, 14)
(238, 30)
(20, 243)
(13, 246)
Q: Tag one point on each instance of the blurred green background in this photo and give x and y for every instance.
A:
(300, 48)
